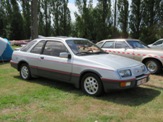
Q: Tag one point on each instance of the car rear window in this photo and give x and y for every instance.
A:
(26, 47)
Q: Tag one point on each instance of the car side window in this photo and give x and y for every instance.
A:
(108, 44)
(54, 48)
(26, 47)
(38, 47)
(158, 42)
(121, 44)
(99, 44)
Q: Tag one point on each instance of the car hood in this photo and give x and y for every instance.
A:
(111, 61)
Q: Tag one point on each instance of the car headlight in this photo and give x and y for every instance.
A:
(125, 73)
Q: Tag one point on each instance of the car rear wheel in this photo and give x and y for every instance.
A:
(92, 85)
(25, 71)
(153, 66)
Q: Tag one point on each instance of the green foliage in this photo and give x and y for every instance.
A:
(2, 22)
(150, 20)
(123, 8)
(17, 26)
(92, 22)
(26, 18)
(61, 18)
(136, 18)
(145, 20)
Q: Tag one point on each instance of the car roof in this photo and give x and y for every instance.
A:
(61, 38)
(121, 39)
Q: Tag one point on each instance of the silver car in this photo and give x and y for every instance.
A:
(135, 49)
(79, 62)
(157, 44)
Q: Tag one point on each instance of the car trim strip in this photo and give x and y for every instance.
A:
(154, 56)
(113, 80)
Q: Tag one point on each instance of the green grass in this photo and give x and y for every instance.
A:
(41, 100)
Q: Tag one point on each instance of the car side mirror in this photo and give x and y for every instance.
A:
(65, 55)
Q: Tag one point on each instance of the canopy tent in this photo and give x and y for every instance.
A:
(5, 50)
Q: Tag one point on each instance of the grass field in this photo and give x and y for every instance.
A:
(43, 100)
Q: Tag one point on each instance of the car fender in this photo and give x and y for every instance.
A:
(152, 56)
(90, 71)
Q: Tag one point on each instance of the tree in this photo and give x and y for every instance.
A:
(115, 13)
(150, 20)
(136, 18)
(2, 16)
(60, 16)
(26, 18)
(45, 17)
(83, 18)
(34, 19)
(65, 18)
(123, 8)
(17, 28)
(92, 22)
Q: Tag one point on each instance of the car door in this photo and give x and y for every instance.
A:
(118, 48)
(123, 49)
(34, 57)
(51, 65)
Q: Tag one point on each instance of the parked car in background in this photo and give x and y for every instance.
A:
(19, 42)
(157, 44)
(80, 62)
(134, 49)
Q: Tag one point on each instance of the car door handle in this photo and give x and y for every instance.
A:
(41, 57)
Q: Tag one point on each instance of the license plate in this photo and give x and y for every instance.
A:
(142, 81)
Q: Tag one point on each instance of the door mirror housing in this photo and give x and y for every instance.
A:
(65, 55)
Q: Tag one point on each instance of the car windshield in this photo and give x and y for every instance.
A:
(84, 47)
(137, 44)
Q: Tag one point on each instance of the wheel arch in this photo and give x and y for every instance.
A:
(151, 58)
(154, 67)
(20, 63)
(88, 71)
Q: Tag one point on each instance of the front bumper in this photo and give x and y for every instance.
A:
(124, 84)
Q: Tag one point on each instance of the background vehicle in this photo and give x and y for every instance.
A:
(157, 44)
(79, 62)
(135, 49)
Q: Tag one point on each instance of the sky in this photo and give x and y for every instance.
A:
(73, 8)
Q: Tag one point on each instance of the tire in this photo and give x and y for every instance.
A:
(25, 71)
(92, 85)
(153, 66)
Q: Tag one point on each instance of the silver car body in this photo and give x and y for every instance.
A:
(157, 44)
(72, 69)
(126, 50)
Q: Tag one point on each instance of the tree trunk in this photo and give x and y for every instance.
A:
(34, 19)
(115, 14)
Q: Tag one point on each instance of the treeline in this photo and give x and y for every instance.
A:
(140, 19)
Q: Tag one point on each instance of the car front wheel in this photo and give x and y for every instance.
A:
(153, 66)
(92, 85)
(25, 71)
